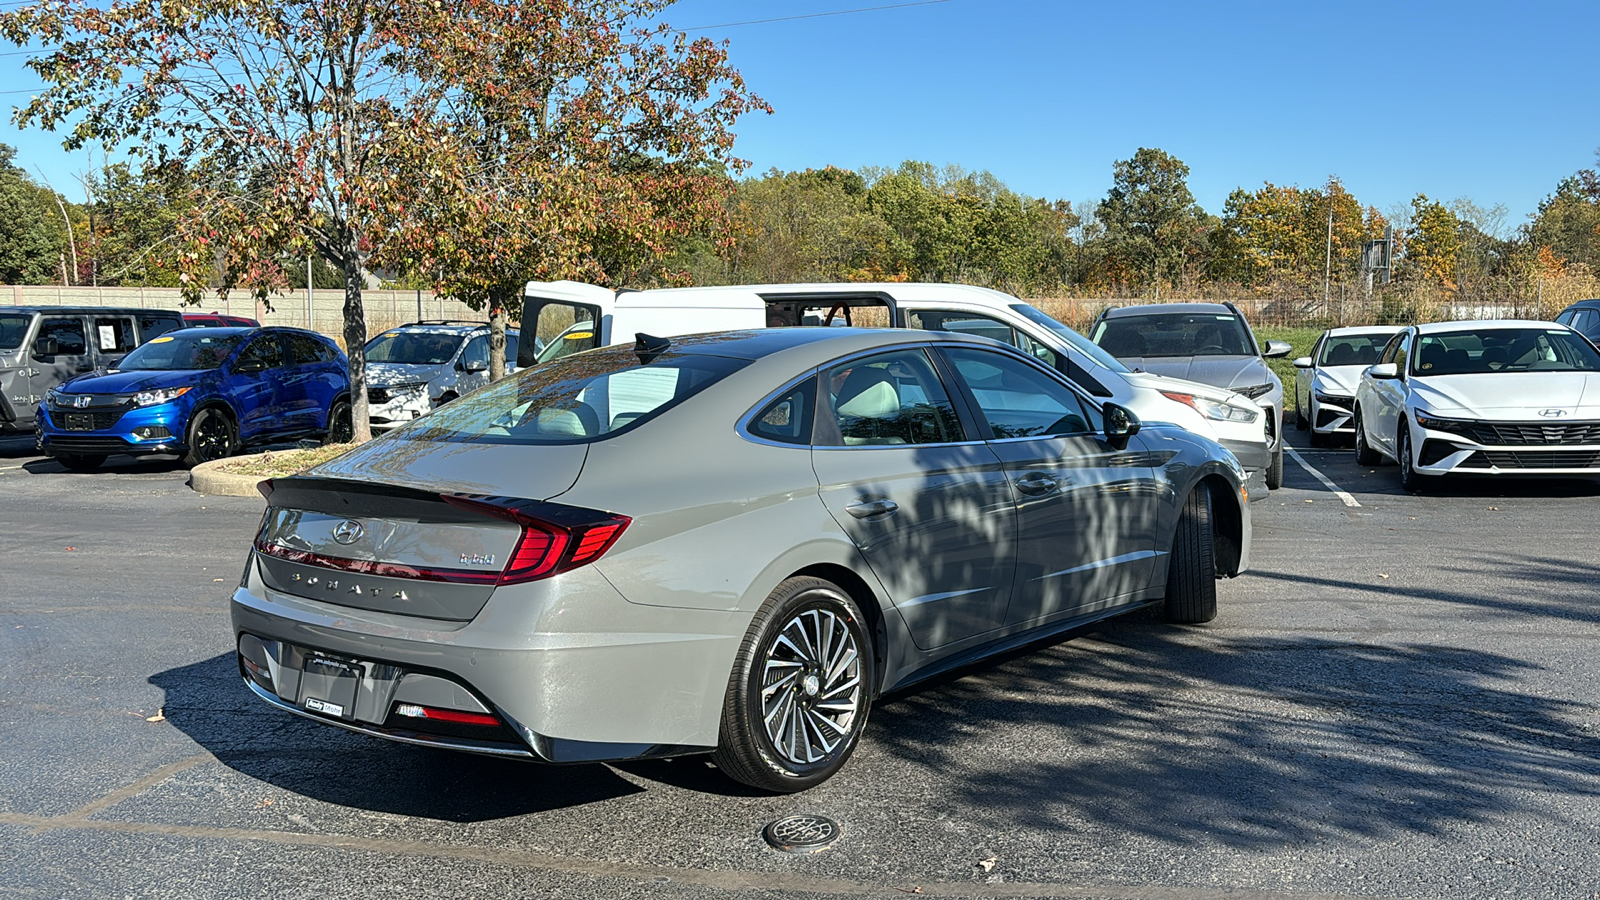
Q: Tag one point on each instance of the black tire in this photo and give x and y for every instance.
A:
(1365, 455)
(1318, 439)
(211, 436)
(1275, 469)
(446, 397)
(1410, 479)
(1192, 567)
(746, 751)
(81, 462)
(340, 429)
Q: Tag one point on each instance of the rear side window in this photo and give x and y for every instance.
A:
(890, 399)
(307, 349)
(114, 335)
(787, 419)
(155, 326)
(575, 400)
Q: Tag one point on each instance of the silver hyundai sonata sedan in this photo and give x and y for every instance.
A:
(726, 544)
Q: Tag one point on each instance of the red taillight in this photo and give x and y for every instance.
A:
(563, 539)
(455, 716)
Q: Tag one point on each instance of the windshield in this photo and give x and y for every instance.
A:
(1173, 334)
(574, 400)
(13, 328)
(1353, 349)
(1503, 350)
(1083, 344)
(203, 349)
(413, 348)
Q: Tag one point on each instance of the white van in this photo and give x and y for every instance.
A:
(563, 317)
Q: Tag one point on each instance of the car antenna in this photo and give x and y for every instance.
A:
(648, 347)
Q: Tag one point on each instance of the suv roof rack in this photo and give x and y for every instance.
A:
(445, 322)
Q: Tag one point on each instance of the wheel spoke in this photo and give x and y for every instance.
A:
(811, 686)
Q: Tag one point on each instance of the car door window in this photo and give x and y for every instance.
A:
(893, 398)
(264, 350)
(306, 350)
(114, 336)
(68, 333)
(476, 354)
(962, 322)
(1402, 353)
(1015, 399)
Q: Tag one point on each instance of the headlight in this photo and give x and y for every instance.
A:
(156, 398)
(1335, 399)
(1437, 424)
(1255, 390)
(1213, 409)
(409, 391)
(53, 397)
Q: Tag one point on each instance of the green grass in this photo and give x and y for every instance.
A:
(1301, 340)
(278, 463)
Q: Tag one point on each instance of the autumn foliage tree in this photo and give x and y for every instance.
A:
(583, 141)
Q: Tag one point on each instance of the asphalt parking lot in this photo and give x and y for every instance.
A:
(1397, 701)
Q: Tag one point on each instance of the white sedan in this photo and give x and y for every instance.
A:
(1482, 398)
(1325, 382)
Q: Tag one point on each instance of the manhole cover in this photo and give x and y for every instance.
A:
(802, 834)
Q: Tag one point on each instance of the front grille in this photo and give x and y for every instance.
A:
(1533, 459)
(73, 443)
(1434, 452)
(69, 420)
(1530, 433)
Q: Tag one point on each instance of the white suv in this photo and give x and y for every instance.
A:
(413, 368)
(566, 317)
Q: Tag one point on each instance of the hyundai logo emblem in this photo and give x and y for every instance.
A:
(80, 401)
(1552, 413)
(348, 532)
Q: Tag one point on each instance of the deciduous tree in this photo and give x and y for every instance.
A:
(1150, 218)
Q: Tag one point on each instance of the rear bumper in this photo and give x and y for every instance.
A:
(574, 671)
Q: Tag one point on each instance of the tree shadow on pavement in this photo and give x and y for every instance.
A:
(1195, 736)
(208, 702)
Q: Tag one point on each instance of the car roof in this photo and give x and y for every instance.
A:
(92, 310)
(1488, 325)
(1186, 307)
(827, 342)
(438, 328)
(1592, 303)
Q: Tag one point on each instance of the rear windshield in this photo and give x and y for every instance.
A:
(201, 349)
(574, 400)
(1503, 350)
(13, 328)
(413, 348)
(1173, 334)
(1354, 349)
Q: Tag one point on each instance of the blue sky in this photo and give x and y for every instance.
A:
(1491, 101)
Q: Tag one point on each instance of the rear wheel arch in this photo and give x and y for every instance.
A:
(861, 592)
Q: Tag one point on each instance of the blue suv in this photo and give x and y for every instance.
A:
(201, 393)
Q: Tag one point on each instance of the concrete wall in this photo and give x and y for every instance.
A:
(384, 308)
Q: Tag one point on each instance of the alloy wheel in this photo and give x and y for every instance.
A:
(811, 686)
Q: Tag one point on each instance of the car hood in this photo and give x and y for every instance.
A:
(529, 472)
(1339, 379)
(384, 374)
(102, 382)
(1231, 372)
(1511, 395)
(1178, 385)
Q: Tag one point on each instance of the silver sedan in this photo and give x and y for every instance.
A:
(726, 543)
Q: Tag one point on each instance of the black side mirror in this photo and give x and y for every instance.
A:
(1121, 423)
(46, 346)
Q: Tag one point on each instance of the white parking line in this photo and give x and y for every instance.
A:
(1326, 481)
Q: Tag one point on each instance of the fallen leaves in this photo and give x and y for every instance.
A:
(987, 864)
(160, 716)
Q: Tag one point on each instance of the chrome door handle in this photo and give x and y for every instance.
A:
(872, 509)
(1036, 484)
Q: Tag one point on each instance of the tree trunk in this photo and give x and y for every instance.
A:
(497, 339)
(355, 342)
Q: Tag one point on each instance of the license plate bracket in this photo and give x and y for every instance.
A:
(80, 422)
(328, 686)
